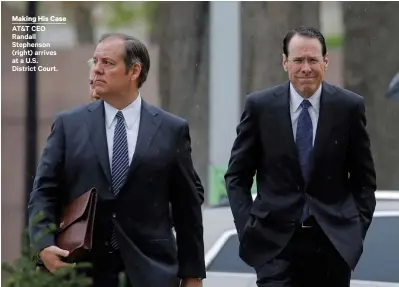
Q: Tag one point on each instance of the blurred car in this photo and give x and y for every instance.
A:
(393, 89)
(378, 266)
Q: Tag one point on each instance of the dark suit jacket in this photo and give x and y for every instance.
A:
(75, 159)
(340, 191)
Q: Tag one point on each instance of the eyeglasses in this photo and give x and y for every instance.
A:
(310, 61)
(91, 63)
(105, 64)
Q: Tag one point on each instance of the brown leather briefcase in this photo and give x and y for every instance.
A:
(76, 226)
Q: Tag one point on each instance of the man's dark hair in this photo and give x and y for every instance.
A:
(135, 53)
(304, 32)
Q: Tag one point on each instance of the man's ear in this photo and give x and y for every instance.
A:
(135, 72)
(326, 62)
(285, 62)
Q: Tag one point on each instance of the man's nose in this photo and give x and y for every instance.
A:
(97, 69)
(306, 68)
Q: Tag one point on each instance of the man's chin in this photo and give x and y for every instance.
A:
(100, 92)
(308, 90)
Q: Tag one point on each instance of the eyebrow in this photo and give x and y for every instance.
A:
(91, 61)
(311, 57)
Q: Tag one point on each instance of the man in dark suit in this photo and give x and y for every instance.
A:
(306, 140)
(138, 157)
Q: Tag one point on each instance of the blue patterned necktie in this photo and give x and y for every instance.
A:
(304, 143)
(120, 162)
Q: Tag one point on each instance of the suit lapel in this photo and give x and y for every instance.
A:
(98, 137)
(149, 124)
(328, 111)
(281, 114)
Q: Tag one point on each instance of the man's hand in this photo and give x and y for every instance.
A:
(191, 282)
(51, 257)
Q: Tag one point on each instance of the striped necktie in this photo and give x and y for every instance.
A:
(120, 162)
(304, 143)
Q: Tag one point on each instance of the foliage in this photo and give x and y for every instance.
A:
(24, 272)
(334, 41)
(123, 13)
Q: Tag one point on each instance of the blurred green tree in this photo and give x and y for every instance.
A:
(24, 272)
(123, 13)
(117, 14)
(370, 62)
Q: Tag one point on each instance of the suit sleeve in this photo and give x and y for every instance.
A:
(186, 190)
(361, 168)
(200, 188)
(242, 166)
(44, 198)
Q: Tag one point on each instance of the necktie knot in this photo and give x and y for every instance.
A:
(119, 115)
(305, 104)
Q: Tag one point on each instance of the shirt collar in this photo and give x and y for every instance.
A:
(130, 113)
(296, 99)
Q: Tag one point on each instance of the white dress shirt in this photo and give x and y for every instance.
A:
(295, 109)
(132, 122)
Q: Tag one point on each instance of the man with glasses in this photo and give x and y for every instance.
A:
(138, 157)
(307, 143)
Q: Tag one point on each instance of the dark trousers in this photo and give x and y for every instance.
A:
(308, 260)
(107, 269)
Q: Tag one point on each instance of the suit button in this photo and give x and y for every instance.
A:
(106, 243)
(113, 215)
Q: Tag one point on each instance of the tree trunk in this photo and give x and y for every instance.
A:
(182, 33)
(81, 13)
(264, 25)
(84, 24)
(371, 60)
